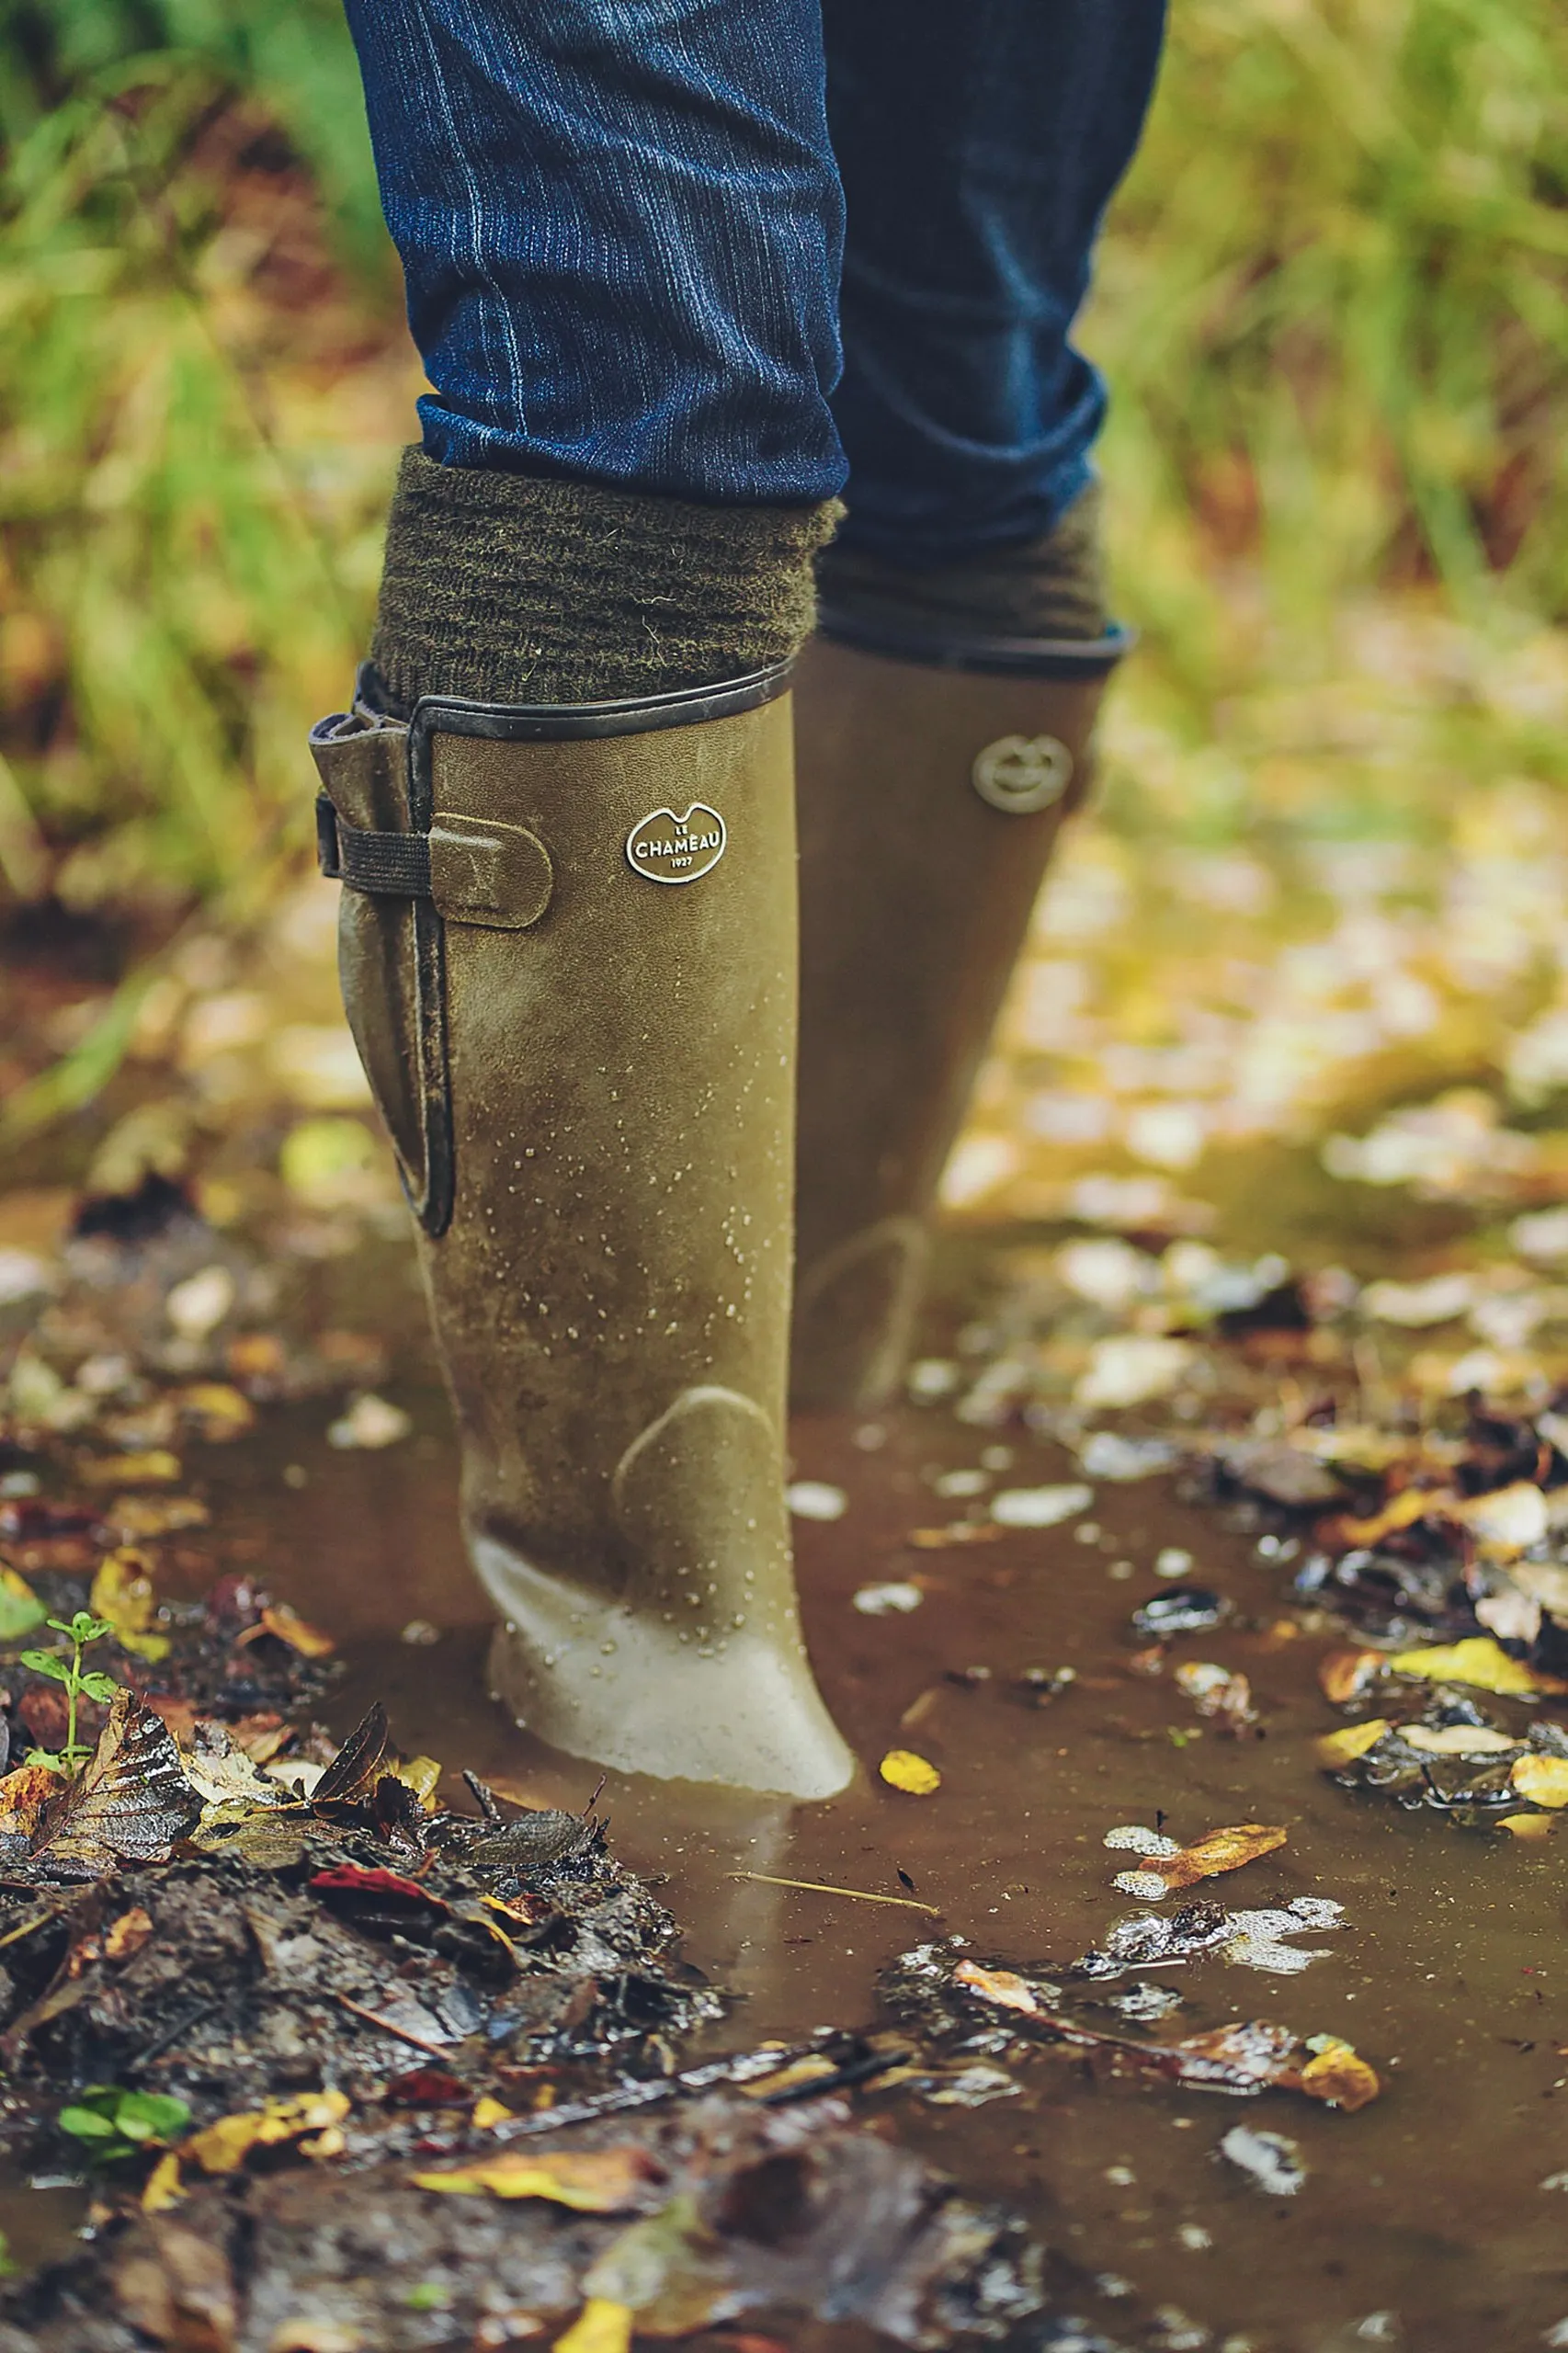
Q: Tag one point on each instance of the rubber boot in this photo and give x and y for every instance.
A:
(568, 953)
(934, 776)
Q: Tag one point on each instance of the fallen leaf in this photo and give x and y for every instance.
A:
(131, 1801)
(1531, 1826)
(1000, 1985)
(1337, 2074)
(1206, 1858)
(596, 2181)
(127, 1934)
(488, 2113)
(122, 1595)
(1338, 1749)
(359, 1762)
(20, 1608)
(223, 1773)
(213, 1411)
(1477, 1661)
(23, 1797)
(1345, 1674)
(957, 1533)
(289, 1627)
(222, 2147)
(155, 1468)
(178, 2291)
(133, 1518)
(1457, 1740)
(1406, 1510)
(1542, 1779)
(902, 1769)
(355, 1879)
(1505, 1521)
(600, 2328)
(422, 1775)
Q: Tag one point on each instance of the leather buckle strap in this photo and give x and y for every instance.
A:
(395, 866)
(472, 869)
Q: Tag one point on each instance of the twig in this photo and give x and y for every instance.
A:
(860, 1894)
(431, 2050)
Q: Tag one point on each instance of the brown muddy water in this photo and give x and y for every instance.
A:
(1427, 2220)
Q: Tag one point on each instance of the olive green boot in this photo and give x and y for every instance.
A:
(568, 950)
(936, 761)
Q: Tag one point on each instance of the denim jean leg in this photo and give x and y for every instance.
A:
(620, 226)
(978, 148)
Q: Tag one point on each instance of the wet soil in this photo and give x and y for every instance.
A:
(1424, 2222)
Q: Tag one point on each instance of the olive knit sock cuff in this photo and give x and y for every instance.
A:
(1049, 588)
(505, 587)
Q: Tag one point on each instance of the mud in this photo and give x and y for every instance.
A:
(1423, 2221)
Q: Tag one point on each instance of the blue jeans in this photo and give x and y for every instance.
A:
(763, 251)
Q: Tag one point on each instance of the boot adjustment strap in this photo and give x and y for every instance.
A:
(471, 870)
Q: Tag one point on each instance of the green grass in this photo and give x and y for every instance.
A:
(1333, 304)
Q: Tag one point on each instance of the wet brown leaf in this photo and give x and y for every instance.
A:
(177, 2289)
(1219, 1851)
(359, 1762)
(131, 1801)
(1345, 1674)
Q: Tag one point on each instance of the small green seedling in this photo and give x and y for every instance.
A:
(83, 1628)
(113, 2124)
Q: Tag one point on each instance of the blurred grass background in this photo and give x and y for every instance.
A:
(1333, 304)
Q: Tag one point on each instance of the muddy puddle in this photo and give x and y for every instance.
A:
(1425, 2219)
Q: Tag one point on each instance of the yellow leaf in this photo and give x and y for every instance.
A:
(153, 1469)
(1534, 1827)
(1336, 1748)
(596, 2181)
(1542, 1779)
(219, 1412)
(902, 1769)
(488, 2113)
(123, 1593)
(420, 1774)
(1478, 1660)
(1336, 2074)
(599, 2327)
(291, 1628)
(23, 1796)
(164, 2188)
(809, 2070)
(998, 1985)
(223, 2147)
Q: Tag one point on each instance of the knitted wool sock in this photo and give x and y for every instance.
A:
(1049, 588)
(512, 588)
